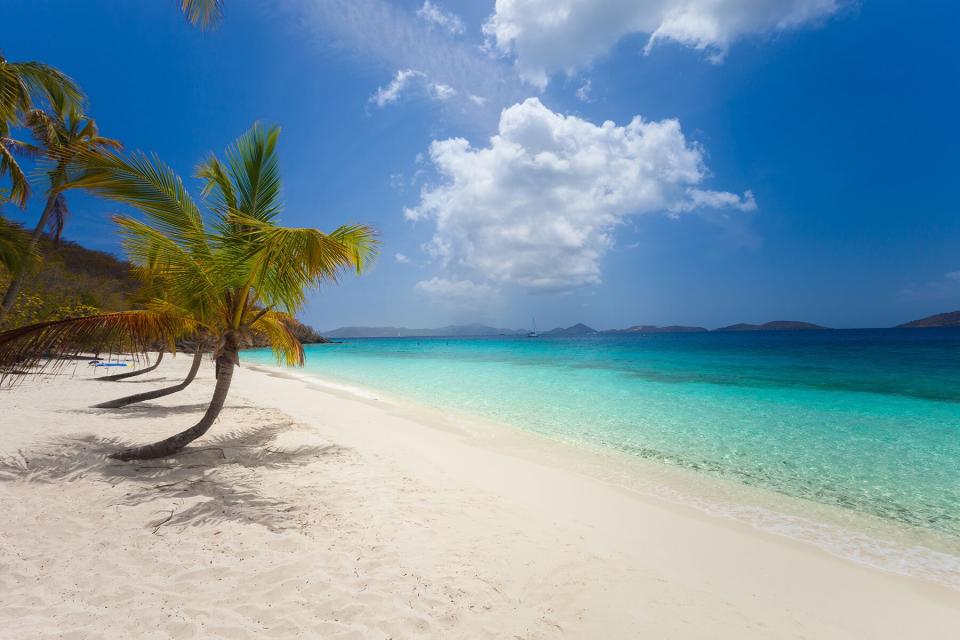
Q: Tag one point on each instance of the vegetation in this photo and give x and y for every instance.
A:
(69, 281)
(63, 135)
(24, 88)
(227, 273)
(205, 14)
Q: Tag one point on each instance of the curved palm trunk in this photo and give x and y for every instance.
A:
(13, 290)
(158, 393)
(130, 374)
(226, 361)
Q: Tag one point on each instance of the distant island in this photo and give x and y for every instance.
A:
(776, 325)
(452, 331)
(649, 328)
(577, 330)
(950, 319)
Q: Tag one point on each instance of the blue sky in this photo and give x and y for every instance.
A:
(766, 160)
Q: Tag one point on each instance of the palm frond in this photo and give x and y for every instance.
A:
(48, 84)
(185, 280)
(148, 185)
(284, 261)
(15, 250)
(205, 14)
(47, 346)
(275, 327)
(254, 170)
(217, 186)
(19, 190)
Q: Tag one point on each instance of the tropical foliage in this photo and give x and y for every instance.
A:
(227, 270)
(25, 87)
(63, 134)
(205, 14)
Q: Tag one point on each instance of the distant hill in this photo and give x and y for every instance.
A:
(73, 280)
(648, 328)
(951, 319)
(776, 325)
(578, 329)
(452, 331)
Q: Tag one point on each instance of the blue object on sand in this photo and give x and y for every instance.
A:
(109, 364)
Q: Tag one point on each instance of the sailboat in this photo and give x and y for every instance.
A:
(534, 334)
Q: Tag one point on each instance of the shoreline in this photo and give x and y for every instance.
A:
(305, 511)
(850, 535)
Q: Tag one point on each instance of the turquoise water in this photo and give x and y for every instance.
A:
(863, 420)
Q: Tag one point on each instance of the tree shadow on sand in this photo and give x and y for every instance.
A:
(218, 480)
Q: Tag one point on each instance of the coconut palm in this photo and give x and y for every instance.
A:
(63, 135)
(23, 87)
(231, 271)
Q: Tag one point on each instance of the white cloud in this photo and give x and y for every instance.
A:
(477, 100)
(393, 37)
(583, 93)
(434, 15)
(547, 36)
(538, 207)
(442, 91)
(408, 79)
(402, 259)
(952, 275)
(462, 294)
(390, 93)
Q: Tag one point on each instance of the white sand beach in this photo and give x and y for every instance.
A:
(307, 512)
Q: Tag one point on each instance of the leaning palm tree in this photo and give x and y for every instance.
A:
(23, 87)
(64, 134)
(233, 271)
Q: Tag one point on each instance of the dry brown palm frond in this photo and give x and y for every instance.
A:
(47, 346)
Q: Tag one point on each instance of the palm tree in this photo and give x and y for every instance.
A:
(231, 272)
(63, 135)
(205, 14)
(22, 86)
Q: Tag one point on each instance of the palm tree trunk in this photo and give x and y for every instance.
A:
(226, 360)
(159, 393)
(14, 289)
(130, 374)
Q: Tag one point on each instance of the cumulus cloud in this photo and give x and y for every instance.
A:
(406, 79)
(538, 207)
(547, 36)
(401, 258)
(436, 16)
(462, 294)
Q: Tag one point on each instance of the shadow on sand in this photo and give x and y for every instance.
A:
(217, 480)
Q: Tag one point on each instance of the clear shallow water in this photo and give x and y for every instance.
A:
(863, 420)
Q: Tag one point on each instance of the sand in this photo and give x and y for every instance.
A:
(309, 512)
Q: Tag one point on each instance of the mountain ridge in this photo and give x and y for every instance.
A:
(947, 319)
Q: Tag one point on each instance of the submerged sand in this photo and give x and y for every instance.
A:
(307, 512)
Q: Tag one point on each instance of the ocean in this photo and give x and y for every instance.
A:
(866, 421)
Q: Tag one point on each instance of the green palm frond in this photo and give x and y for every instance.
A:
(148, 185)
(275, 326)
(23, 84)
(15, 250)
(205, 14)
(254, 169)
(49, 345)
(19, 190)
